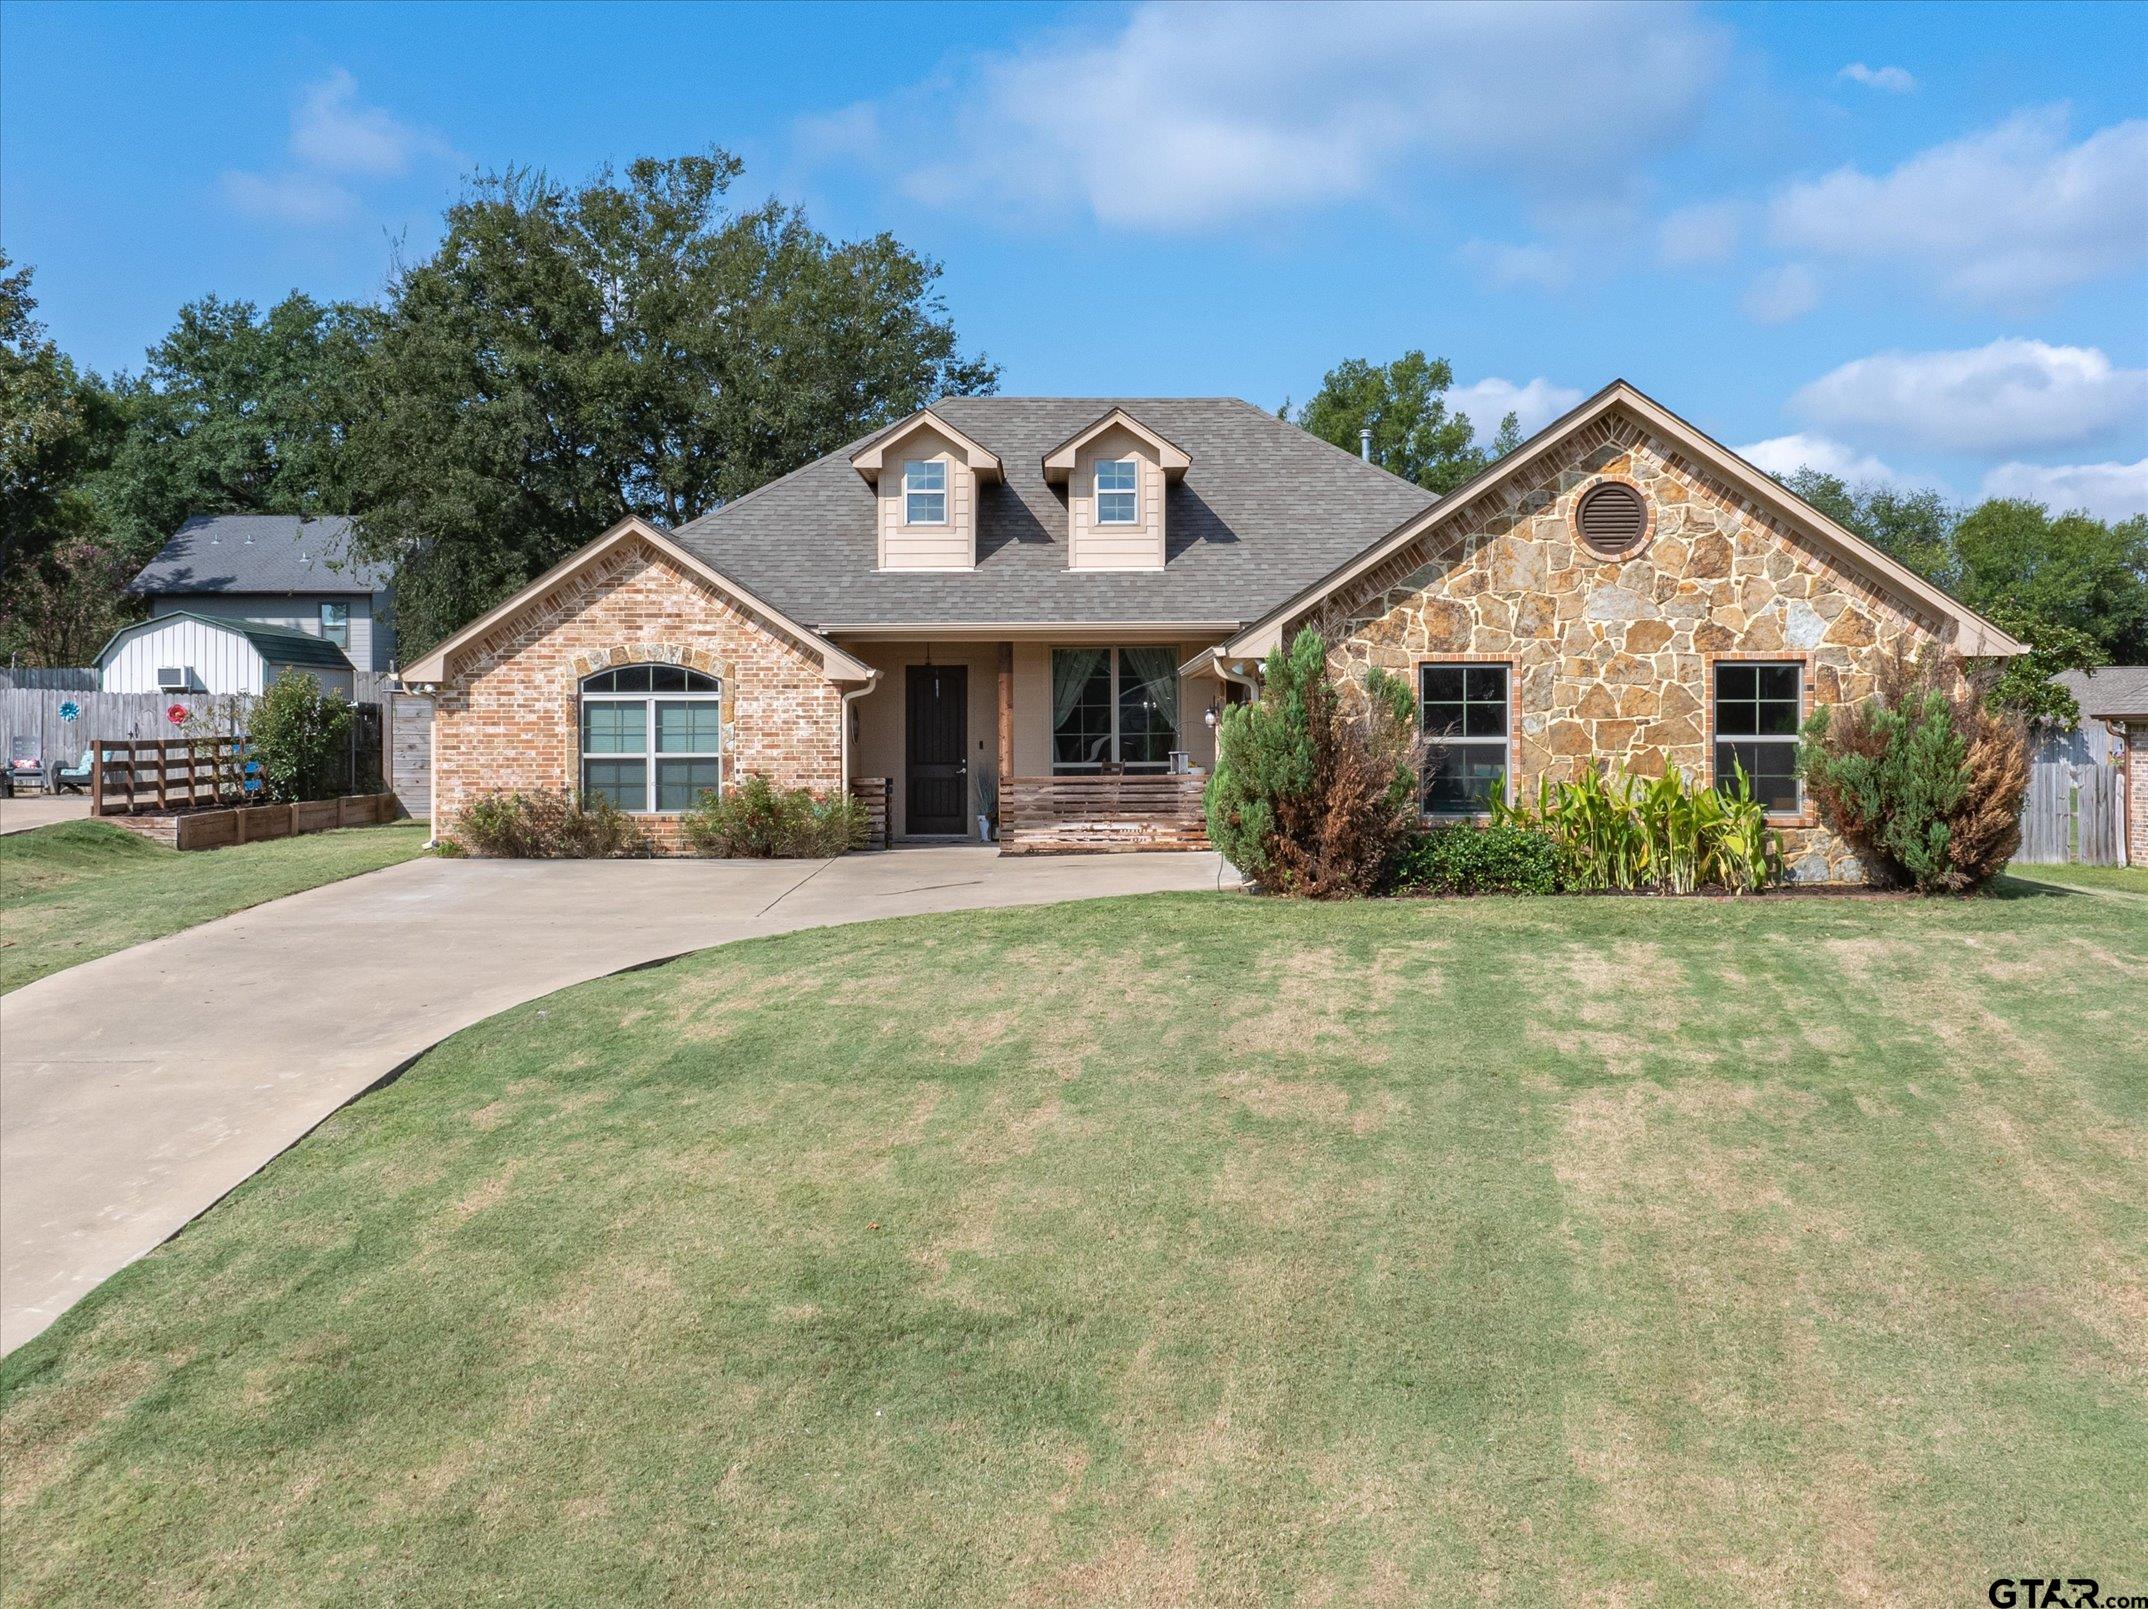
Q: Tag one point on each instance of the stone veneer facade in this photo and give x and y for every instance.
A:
(1611, 659)
(509, 717)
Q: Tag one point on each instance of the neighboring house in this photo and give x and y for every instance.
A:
(2113, 731)
(281, 570)
(1059, 594)
(190, 653)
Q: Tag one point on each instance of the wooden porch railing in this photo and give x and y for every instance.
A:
(163, 774)
(1083, 813)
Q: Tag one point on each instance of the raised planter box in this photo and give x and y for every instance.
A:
(248, 824)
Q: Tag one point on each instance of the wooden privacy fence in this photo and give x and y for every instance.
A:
(1085, 813)
(2070, 814)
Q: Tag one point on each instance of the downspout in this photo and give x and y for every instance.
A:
(872, 680)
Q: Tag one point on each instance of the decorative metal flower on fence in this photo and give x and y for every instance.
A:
(177, 715)
(70, 711)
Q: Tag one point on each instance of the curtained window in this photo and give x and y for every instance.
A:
(1114, 706)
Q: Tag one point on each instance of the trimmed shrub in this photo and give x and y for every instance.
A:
(300, 735)
(515, 825)
(1464, 858)
(1315, 792)
(1923, 779)
(757, 820)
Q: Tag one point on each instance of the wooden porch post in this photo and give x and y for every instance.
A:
(1006, 724)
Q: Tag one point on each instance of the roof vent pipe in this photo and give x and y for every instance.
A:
(1364, 443)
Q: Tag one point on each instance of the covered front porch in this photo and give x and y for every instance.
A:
(1067, 744)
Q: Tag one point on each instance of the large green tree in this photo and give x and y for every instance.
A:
(239, 412)
(1404, 404)
(570, 355)
(58, 427)
(2073, 587)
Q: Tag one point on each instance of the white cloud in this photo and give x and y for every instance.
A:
(1183, 117)
(1784, 455)
(332, 129)
(333, 135)
(300, 198)
(2108, 491)
(1895, 80)
(1534, 403)
(1539, 266)
(1700, 235)
(2009, 396)
(2014, 210)
(1779, 295)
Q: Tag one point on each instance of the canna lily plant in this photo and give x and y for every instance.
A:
(1654, 833)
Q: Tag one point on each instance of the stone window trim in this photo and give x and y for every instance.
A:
(1510, 782)
(1809, 816)
(1648, 519)
(582, 666)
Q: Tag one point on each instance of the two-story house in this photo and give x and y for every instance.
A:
(1046, 602)
(290, 576)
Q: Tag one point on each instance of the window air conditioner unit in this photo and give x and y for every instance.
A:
(171, 678)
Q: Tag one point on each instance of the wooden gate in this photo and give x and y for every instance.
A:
(2070, 814)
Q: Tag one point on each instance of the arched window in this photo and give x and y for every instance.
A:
(652, 736)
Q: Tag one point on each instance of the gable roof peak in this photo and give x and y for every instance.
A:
(981, 460)
(1059, 462)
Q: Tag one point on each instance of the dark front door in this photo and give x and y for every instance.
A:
(939, 781)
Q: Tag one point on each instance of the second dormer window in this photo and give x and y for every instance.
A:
(1117, 482)
(924, 492)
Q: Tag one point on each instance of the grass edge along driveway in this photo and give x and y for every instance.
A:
(1179, 1247)
(77, 890)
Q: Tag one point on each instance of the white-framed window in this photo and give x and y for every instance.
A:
(1118, 491)
(652, 737)
(924, 492)
(1462, 711)
(1114, 706)
(1758, 708)
(336, 624)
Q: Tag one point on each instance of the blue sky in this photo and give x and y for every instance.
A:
(1904, 241)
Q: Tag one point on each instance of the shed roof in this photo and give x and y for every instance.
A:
(289, 553)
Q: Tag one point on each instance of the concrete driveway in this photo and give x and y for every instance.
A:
(137, 1089)
(22, 811)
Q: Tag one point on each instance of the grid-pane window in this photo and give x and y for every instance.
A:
(336, 624)
(1462, 710)
(1757, 710)
(1118, 485)
(652, 736)
(924, 492)
(1114, 707)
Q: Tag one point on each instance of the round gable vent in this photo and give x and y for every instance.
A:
(1612, 519)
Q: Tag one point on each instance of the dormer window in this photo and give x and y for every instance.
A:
(1118, 487)
(924, 492)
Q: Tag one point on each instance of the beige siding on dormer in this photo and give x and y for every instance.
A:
(928, 547)
(1115, 547)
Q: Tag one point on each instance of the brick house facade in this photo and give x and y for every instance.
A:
(510, 718)
(1009, 671)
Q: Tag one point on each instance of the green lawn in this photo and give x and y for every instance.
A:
(1186, 1248)
(2121, 879)
(72, 892)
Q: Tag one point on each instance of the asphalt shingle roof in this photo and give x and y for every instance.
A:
(1264, 509)
(259, 553)
(2113, 690)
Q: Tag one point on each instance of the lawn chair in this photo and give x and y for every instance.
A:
(73, 778)
(24, 764)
